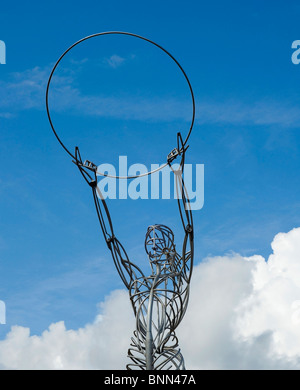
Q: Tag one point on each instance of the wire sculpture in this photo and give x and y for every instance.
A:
(160, 300)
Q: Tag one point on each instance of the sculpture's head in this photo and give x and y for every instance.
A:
(159, 243)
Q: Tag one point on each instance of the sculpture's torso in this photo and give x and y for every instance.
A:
(157, 302)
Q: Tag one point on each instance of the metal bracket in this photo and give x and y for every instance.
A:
(90, 165)
(173, 155)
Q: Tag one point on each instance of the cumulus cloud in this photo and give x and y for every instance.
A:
(274, 303)
(101, 345)
(244, 313)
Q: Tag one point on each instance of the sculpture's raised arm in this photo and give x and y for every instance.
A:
(187, 255)
(127, 270)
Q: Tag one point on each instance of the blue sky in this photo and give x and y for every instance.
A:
(54, 264)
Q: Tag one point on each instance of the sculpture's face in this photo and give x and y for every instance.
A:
(159, 244)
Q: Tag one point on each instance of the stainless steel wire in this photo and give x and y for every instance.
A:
(159, 300)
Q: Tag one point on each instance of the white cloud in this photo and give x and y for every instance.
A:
(26, 91)
(244, 313)
(274, 302)
(114, 61)
(102, 344)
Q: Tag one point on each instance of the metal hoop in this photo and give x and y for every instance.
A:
(133, 35)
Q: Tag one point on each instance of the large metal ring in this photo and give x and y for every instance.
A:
(133, 35)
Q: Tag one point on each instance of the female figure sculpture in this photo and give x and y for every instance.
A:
(159, 301)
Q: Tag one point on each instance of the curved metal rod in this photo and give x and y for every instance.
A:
(139, 37)
(133, 176)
